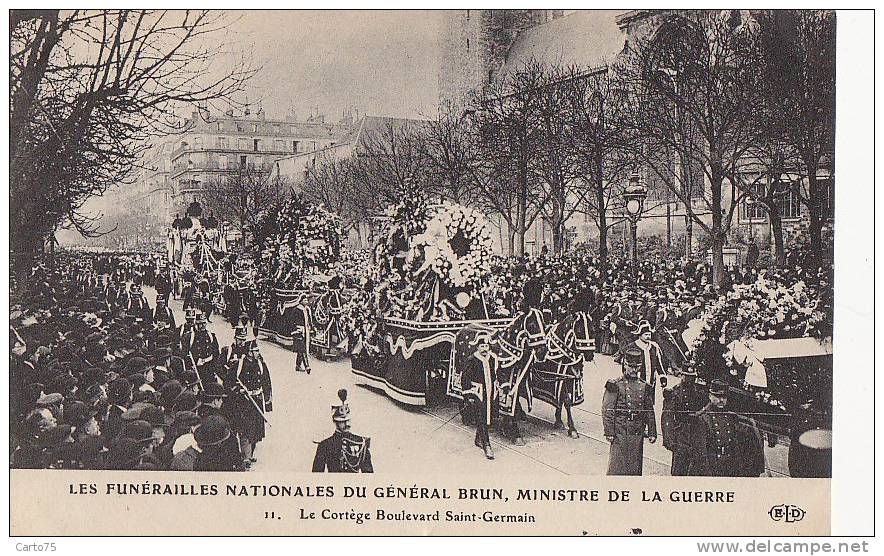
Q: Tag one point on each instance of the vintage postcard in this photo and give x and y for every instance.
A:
(452, 272)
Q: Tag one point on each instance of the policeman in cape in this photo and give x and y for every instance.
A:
(479, 381)
(628, 416)
(680, 405)
(251, 394)
(724, 443)
(343, 451)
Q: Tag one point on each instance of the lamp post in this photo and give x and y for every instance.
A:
(634, 197)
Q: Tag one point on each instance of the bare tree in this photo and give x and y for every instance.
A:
(451, 151)
(390, 159)
(799, 85)
(244, 197)
(333, 183)
(557, 164)
(86, 90)
(509, 140)
(694, 90)
(600, 141)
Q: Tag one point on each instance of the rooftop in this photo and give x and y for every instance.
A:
(588, 38)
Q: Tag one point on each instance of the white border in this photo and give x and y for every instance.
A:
(852, 486)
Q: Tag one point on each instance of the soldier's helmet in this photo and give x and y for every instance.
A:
(341, 412)
(190, 314)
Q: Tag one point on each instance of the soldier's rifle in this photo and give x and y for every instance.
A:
(246, 390)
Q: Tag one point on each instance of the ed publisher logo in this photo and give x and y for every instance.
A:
(787, 513)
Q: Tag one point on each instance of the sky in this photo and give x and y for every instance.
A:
(381, 63)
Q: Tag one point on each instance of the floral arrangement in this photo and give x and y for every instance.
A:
(769, 308)
(298, 240)
(432, 259)
(456, 246)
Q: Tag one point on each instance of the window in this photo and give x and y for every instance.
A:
(259, 161)
(790, 206)
(275, 128)
(752, 209)
(222, 142)
(223, 161)
(827, 196)
(256, 143)
(243, 144)
(296, 146)
(243, 160)
(220, 126)
(278, 145)
(468, 44)
(254, 128)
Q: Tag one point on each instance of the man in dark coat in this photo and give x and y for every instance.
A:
(628, 416)
(343, 451)
(210, 438)
(203, 348)
(680, 405)
(163, 314)
(479, 379)
(252, 399)
(725, 444)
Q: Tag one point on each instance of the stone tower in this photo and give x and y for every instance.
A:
(473, 45)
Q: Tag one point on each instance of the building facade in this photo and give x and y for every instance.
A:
(212, 147)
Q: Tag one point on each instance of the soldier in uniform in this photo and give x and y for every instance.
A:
(163, 285)
(479, 379)
(628, 416)
(231, 354)
(252, 397)
(186, 330)
(163, 316)
(343, 451)
(725, 444)
(136, 304)
(203, 348)
(680, 404)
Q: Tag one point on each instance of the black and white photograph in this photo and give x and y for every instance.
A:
(534, 243)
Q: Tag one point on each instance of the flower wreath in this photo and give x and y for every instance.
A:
(457, 247)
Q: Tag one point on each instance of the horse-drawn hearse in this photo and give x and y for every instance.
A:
(430, 311)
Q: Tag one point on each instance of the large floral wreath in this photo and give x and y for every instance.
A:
(456, 246)
(298, 240)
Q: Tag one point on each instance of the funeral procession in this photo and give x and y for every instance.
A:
(542, 242)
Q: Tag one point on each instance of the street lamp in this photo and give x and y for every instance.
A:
(634, 196)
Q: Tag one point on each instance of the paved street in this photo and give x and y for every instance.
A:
(405, 438)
